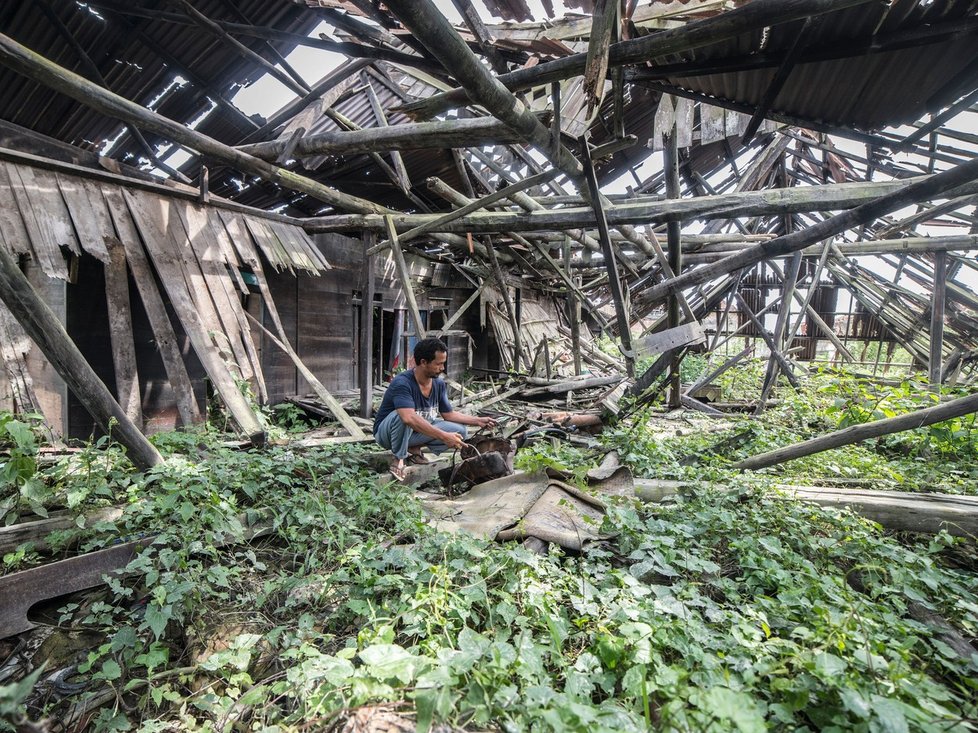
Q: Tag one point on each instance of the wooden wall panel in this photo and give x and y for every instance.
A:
(49, 387)
(280, 373)
(88, 327)
(321, 319)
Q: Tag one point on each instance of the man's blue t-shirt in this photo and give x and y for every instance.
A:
(403, 391)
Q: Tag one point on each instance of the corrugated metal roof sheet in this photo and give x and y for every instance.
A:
(862, 91)
(125, 48)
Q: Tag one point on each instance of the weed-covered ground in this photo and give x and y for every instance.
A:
(716, 611)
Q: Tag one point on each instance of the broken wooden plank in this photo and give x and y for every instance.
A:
(321, 392)
(572, 385)
(205, 248)
(163, 333)
(120, 332)
(13, 231)
(22, 590)
(88, 213)
(604, 31)
(44, 328)
(37, 532)
(147, 215)
(40, 230)
(656, 343)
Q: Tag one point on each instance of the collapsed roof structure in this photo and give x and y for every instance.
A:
(663, 167)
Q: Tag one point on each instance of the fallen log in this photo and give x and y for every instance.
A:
(857, 433)
(894, 510)
(37, 532)
(571, 385)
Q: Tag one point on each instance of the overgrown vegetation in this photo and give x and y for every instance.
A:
(281, 590)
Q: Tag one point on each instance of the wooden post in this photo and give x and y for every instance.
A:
(573, 314)
(365, 355)
(790, 280)
(404, 275)
(508, 303)
(670, 160)
(46, 331)
(610, 262)
(937, 320)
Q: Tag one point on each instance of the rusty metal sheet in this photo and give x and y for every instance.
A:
(20, 591)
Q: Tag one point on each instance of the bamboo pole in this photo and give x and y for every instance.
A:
(461, 212)
(768, 339)
(321, 392)
(404, 275)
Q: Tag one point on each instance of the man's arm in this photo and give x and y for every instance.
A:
(417, 423)
(462, 419)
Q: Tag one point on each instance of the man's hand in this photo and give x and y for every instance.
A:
(453, 440)
(486, 422)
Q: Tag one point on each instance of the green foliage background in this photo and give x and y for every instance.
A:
(723, 609)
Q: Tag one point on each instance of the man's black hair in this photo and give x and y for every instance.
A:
(426, 349)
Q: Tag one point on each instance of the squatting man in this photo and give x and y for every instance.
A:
(416, 412)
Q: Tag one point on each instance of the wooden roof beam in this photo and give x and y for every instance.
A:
(753, 16)
(412, 136)
(933, 187)
(433, 29)
(828, 197)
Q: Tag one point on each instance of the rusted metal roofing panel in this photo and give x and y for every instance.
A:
(509, 9)
(863, 91)
(123, 47)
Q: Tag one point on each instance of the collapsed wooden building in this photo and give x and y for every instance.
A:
(212, 207)
(449, 180)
